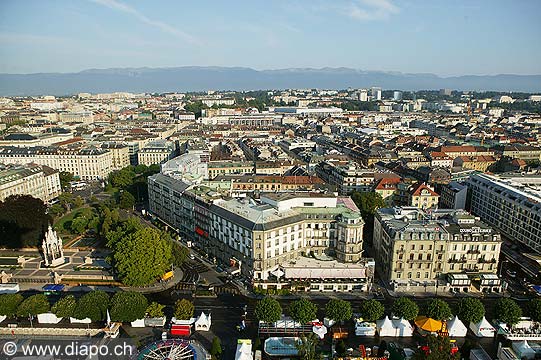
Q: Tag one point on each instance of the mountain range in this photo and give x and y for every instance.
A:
(197, 78)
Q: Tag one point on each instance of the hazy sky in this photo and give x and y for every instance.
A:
(447, 37)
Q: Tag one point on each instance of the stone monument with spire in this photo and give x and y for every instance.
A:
(53, 253)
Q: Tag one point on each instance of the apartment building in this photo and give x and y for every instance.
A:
(156, 152)
(87, 163)
(415, 246)
(513, 206)
(347, 178)
(314, 239)
(39, 181)
(120, 154)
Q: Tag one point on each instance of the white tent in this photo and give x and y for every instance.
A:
(403, 328)
(203, 322)
(523, 350)
(482, 328)
(319, 330)
(244, 350)
(456, 328)
(385, 327)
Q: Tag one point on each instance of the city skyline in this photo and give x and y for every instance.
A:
(403, 36)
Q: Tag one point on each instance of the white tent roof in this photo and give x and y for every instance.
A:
(203, 321)
(456, 328)
(319, 331)
(244, 352)
(404, 327)
(385, 327)
(483, 328)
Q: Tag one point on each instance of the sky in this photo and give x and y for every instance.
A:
(443, 37)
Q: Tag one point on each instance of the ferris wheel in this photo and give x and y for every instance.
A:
(171, 349)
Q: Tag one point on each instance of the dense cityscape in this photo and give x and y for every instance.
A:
(346, 179)
(271, 209)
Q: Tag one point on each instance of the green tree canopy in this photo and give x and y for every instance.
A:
(126, 200)
(179, 253)
(368, 202)
(372, 310)
(303, 310)
(405, 308)
(64, 307)
(338, 310)
(92, 305)
(470, 310)
(122, 178)
(155, 310)
(128, 306)
(65, 179)
(33, 305)
(184, 309)
(439, 349)
(56, 210)
(268, 310)
(307, 347)
(508, 311)
(9, 304)
(438, 309)
(79, 225)
(23, 221)
(534, 309)
(140, 256)
(216, 347)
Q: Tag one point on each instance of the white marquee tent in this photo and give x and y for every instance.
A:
(456, 328)
(483, 328)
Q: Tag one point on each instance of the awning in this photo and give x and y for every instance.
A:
(428, 324)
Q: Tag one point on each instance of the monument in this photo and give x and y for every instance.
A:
(53, 253)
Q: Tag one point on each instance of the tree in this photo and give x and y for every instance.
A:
(184, 309)
(122, 178)
(79, 224)
(338, 310)
(405, 308)
(534, 309)
(128, 306)
(508, 311)
(256, 345)
(340, 348)
(66, 200)
(180, 254)
(268, 310)
(140, 257)
(303, 310)
(56, 210)
(92, 305)
(307, 347)
(470, 310)
(64, 307)
(126, 200)
(9, 304)
(367, 202)
(33, 305)
(216, 348)
(65, 179)
(155, 310)
(78, 202)
(23, 221)
(438, 309)
(371, 310)
(439, 348)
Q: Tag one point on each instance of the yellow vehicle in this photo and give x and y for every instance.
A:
(168, 275)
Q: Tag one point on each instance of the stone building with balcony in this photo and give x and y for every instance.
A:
(414, 246)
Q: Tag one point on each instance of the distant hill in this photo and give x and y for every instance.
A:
(195, 78)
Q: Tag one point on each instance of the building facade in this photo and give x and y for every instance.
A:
(41, 182)
(414, 246)
(87, 164)
(511, 207)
